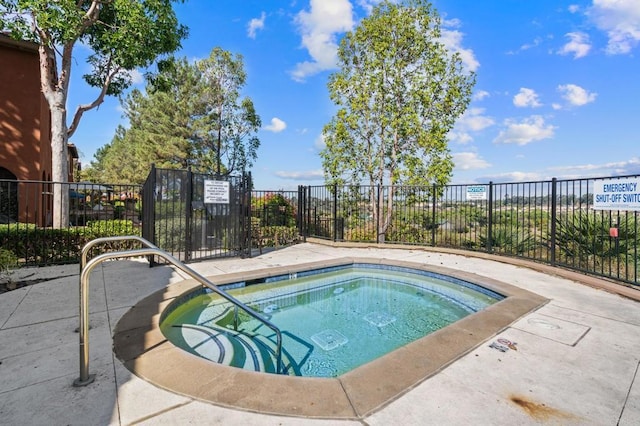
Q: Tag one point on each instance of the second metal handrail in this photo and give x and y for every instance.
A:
(86, 378)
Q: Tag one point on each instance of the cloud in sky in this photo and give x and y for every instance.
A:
(319, 144)
(319, 28)
(136, 76)
(576, 95)
(627, 167)
(529, 130)
(452, 40)
(255, 24)
(473, 120)
(526, 98)
(469, 161)
(276, 125)
(511, 177)
(620, 19)
(304, 175)
(578, 45)
(480, 95)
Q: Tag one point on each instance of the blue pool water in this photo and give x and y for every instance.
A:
(331, 322)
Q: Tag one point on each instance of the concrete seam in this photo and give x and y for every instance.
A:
(16, 308)
(624, 405)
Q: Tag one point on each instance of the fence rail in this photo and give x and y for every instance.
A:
(552, 221)
(95, 210)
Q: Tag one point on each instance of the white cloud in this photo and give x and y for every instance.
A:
(512, 177)
(452, 40)
(529, 130)
(304, 175)
(480, 95)
(620, 19)
(318, 28)
(473, 120)
(319, 143)
(526, 98)
(578, 45)
(136, 76)
(461, 138)
(576, 95)
(573, 8)
(620, 168)
(276, 125)
(469, 161)
(255, 24)
(536, 42)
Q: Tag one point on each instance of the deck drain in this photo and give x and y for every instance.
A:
(329, 339)
(379, 319)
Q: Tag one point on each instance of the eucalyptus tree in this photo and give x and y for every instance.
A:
(122, 35)
(227, 123)
(398, 92)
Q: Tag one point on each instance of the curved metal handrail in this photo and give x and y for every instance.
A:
(96, 241)
(86, 378)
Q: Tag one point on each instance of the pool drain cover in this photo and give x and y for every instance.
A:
(379, 319)
(329, 339)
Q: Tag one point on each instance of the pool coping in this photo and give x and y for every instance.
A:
(143, 349)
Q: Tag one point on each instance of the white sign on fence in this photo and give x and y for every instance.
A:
(477, 192)
(216, 192)
(617, 194)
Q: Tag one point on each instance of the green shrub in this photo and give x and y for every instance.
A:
(8, 262)
(43, 246)
(584, 235)
(510, 241)
(274, 209)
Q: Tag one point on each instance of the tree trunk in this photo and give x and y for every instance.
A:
(59, 165)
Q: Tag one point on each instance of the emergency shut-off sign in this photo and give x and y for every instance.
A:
(617, 194)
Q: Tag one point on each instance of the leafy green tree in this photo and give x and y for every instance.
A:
(398, 91)
(227, 126)
(122, 35)
(190, 114)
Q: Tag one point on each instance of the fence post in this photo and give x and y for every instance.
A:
(335, 212)
(188, 215)
(554, 206)
(433, 216)
(302, 203)
(246, 223)
(490, 220)
(378, 213)
(308, 209)
(149, 210)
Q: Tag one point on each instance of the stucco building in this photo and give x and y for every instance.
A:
(25, 136)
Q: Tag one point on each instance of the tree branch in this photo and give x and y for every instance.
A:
(86, 107)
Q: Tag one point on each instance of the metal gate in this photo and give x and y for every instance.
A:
(197, 216)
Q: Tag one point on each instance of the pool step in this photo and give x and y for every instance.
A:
(233, 348)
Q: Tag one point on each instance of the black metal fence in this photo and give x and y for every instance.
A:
(274, 218)
(95, 210)
(197, 216)
(553, 221)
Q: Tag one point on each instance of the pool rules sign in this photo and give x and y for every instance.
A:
(617, 194)
(216, 192)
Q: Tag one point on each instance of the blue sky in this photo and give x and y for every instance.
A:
(557, 92)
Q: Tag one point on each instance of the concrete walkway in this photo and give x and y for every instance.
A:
(576, 362)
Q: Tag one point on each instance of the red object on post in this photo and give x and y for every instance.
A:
(613, 232)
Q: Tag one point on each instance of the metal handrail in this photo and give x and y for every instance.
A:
(94, 242)
(86, 378)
